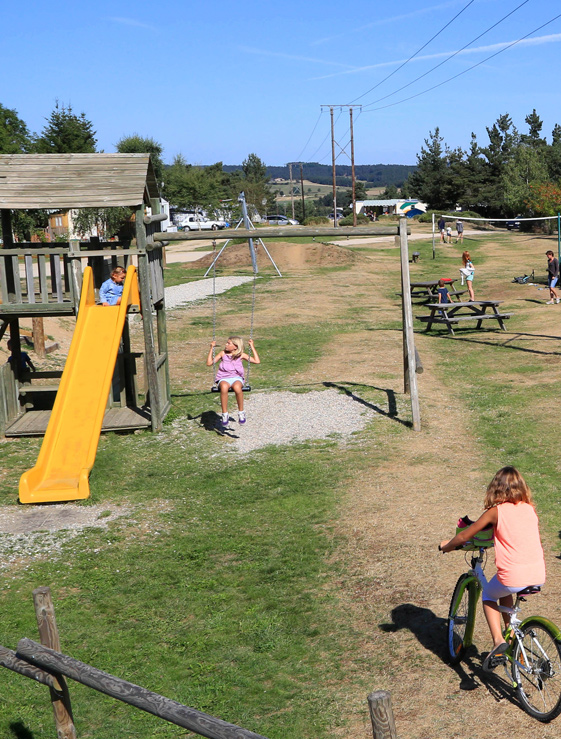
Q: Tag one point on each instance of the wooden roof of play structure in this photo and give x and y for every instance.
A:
(76, 180)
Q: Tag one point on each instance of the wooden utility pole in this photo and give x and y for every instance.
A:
(352, 163)
(302, 192)
(352, 158)
(335, 224)
(291, 189)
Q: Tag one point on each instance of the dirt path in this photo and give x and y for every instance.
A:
(399, 586)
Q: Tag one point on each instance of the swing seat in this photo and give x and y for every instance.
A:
(216, 389)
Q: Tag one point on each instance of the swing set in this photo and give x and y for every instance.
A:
(245, 219)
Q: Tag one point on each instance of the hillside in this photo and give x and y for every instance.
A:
(375, 175)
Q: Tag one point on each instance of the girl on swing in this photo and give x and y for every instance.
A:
(231, 373)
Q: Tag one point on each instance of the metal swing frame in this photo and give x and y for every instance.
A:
(246, 220)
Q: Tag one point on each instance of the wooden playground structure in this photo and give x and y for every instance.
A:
(39, 280)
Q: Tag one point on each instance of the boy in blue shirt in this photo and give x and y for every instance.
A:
(112, 289)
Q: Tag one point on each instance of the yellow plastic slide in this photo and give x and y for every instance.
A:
(68, 451)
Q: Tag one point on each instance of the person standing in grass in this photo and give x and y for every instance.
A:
(552, 276)
(468, 271)
(442, 228)
(459, 231)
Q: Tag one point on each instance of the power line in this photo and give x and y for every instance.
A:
(325, 139)
(455, 53)
(416, 53)
(299, 157)
(454, 77)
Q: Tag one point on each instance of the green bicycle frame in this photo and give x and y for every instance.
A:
(546, 623)
(472, 583)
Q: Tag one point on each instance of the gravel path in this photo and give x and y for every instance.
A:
(285, 417)
(188, 292)
(41, 531)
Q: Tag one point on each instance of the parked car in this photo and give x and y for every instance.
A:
(514, 224)
(201, 223)
(339, 216)
(279, 220)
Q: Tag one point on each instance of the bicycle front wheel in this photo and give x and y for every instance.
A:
(536, 670)
(461, 617)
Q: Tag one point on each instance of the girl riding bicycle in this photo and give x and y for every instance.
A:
(518, 550)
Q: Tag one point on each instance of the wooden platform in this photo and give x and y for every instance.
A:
(34, 423)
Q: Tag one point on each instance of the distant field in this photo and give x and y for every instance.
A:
(312, 190)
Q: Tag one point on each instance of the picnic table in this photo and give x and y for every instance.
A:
(451, 314)
(429, 289)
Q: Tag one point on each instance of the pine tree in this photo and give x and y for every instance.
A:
(66, 133)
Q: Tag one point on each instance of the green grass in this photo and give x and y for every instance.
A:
(219, 587)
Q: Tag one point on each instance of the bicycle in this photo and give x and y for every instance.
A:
(534, 644)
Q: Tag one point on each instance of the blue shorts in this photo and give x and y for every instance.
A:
(231, 380)
(552, 281)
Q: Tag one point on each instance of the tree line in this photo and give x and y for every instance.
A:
(514, 173)
(185, 185)
(373, 175)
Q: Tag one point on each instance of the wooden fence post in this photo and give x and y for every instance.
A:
(48, 633)
(409, 376)
(381, 715)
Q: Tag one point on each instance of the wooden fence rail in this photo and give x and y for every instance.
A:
(134, 695)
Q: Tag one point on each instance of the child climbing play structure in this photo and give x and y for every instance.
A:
(99, 389)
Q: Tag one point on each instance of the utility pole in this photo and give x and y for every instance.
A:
(352, 158)
(291, 189)
(352, 163)
(335, 223)
(302, 192)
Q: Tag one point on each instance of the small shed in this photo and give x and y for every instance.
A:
(45, 280)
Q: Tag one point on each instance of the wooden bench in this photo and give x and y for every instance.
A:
(450, 314)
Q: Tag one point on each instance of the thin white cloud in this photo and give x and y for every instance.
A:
(294, 57)
(132, 22)
(536, 41)
(385, 21)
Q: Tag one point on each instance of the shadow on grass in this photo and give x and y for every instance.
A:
(19, 731)
(430, 631)
(392, 403)
(506, 344)
(210, 420)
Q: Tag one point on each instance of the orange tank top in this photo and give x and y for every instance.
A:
(518, 549)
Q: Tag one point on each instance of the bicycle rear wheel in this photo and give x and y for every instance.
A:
(461, 618)
(536, 670)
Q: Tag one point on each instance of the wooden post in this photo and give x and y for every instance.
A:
(8, 243)
(48, 633)
(381, 715)
(146, 305)
(410, 377)
(38, 337)
(15, 343)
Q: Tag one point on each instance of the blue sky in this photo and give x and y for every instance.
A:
(217, 81)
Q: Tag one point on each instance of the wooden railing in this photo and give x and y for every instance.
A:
(47, 281)
(45, 664)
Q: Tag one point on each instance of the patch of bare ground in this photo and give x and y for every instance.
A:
(288, 256)
(398, 587)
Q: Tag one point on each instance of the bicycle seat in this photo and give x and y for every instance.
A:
(530, 590)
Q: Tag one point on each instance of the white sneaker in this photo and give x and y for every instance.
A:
(225, 419)
(558, 300)
(241, 416)
(550, 302)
